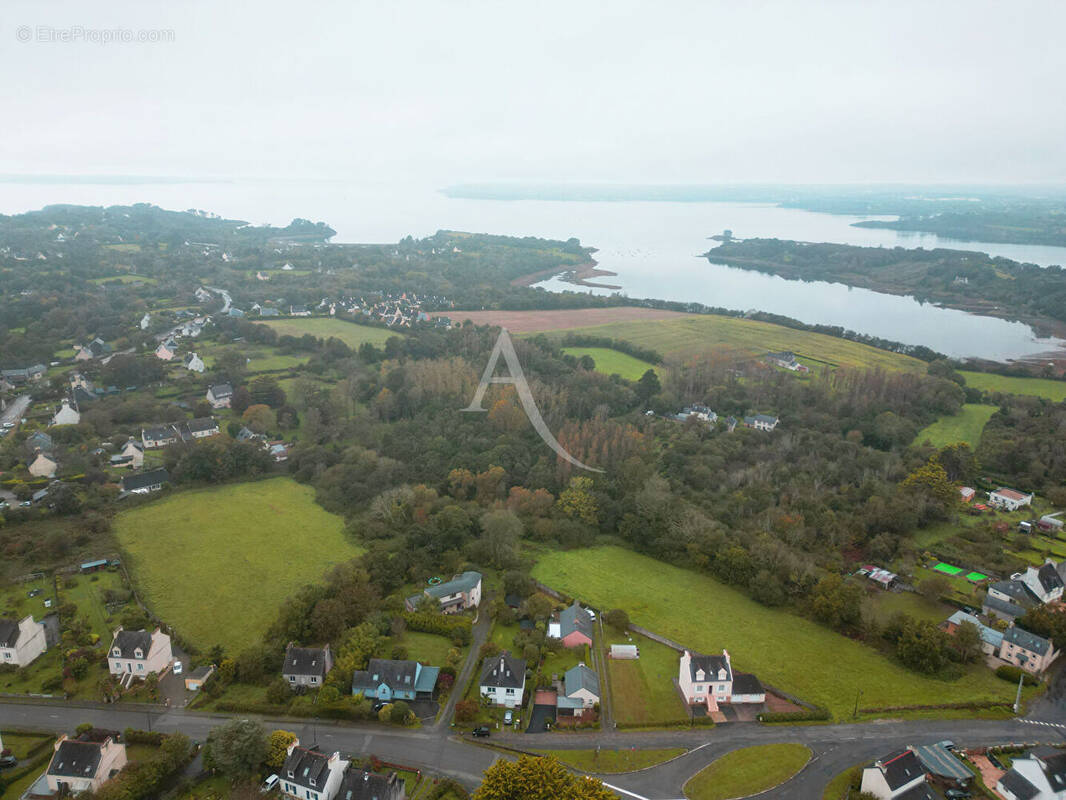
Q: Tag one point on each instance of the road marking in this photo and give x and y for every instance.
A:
(1046, 724)
(626, 791)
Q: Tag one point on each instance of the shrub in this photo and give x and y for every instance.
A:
(450, 626)
(1012, 674)
(809, 715)
(466, 710)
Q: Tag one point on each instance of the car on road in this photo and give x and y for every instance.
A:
(482, 730)
(269, 785)
(26, 503)
(178, 667)
(9, 425)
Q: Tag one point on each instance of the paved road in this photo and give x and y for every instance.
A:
(15, 409)
(479, 637)
(835, 747)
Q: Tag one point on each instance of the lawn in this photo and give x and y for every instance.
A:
(606, 762)
(884, 604)
(731, 339)
(613, 362)
(217, 563)
(1037, 387)
(427, 647)
(776, 645)
(966, 426)
(642, 690)
(747, 771)
(259, 358)
(324, 327)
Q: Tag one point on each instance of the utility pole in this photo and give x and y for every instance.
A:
(1018, 697)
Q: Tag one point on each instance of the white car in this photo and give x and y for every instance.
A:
(269, 785)
(177, 667)
(9, 424)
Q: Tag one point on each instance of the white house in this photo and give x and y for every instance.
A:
(21, 642)
(194, 363)
(899, 774)
(82, 766)
(460, 593)
(134, 451)
(309, 774)
(1034, 778)
(306, 666)
(710, 681)
(139, 653)
(66, 415)
(761, 422)
(1009, 499)
(146, 320)
(1044, 581)
(220, 395)
(503, 680)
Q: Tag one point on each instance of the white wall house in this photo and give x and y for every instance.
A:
(1009, 499)
(21, 642)
(66, 415)
(309, 774)
(43, 466)
(705, 680)
(893, 776)
(139, 653)
(503, 680)
(83, 766)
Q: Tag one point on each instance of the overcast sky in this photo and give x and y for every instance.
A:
(447, 92)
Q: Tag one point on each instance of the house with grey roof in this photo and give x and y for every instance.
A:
(572, 625)
(306, 666)
(138, 654)
(80, 766)
(460, 593)
(898, 776)
(388, 680)
(219, 395)
(503, 680)
(761, 422)
(991, 639)
(709, 680)
(580, 691)
(1001, 609)
(360, 784)
(145, 482)
(1034, 777)
(1027, 650)
(309, 774)
(21, 641)
(1044, 582)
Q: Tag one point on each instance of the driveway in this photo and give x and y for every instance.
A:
(172, 687)
(543, 713)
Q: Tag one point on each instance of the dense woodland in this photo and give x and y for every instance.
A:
(957, 278)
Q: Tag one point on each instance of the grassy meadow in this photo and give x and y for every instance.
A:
(783, 649)
(966, 426)
(1037, 387)
(324, 327)
(613, 362)
(642, 690)
(217, 563)
(747, 771)
(731, 339)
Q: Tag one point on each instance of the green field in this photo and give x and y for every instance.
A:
(217, 563)
(747, 771)
(642, 690)
(1037, 387)
(324, 327)
(730, 339)
(966, 426)
(606, 762)
(613, 362)
(884, 604)
(776, 645)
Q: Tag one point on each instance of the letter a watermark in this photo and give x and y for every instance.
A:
(518, 378)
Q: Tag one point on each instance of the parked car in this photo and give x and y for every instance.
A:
(957, 794)
(35, 592)
(269, 785)
(26, 503)
(177, 667)
(379, 706)
(7, 762)
(947, 744)
(508, 717)
(483, 730)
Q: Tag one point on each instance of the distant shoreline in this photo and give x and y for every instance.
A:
(579, 276)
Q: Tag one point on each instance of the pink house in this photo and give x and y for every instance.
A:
(573, 626)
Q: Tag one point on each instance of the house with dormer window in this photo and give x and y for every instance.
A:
(306, 666)
(710, 681)
(309, 774)
(388, 680)
(139, 653)
(503, 680)
(79, 766)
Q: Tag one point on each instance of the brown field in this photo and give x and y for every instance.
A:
(561, 319)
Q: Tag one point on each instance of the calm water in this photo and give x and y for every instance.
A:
(653, 246)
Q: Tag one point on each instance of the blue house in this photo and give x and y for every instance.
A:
(388, 680)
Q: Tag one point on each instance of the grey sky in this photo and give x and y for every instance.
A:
(621, 91)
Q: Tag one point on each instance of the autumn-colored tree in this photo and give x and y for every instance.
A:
(260, 418)
(531, 778)
(577, 501)
(460, 483)
(277, 747)
(490, 484)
